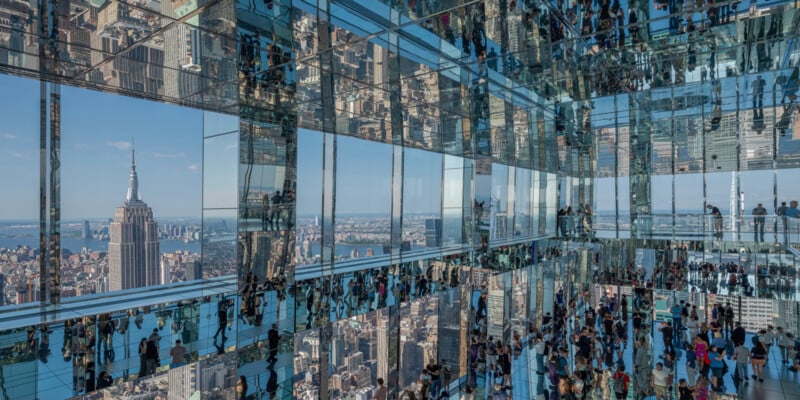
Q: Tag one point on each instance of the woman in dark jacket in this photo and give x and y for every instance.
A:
(143, 357)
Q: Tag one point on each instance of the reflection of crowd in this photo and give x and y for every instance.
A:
(574, 224)
(253, 73)
(773, 280)
(277, 211)
(581, 350)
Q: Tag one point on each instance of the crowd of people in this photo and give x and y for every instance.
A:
(575, 223)
(581, 351)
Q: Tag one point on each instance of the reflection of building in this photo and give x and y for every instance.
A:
(337, 351)
(133, 250)
(193, 271)
(433, 232)
(382, 349)
(183, 382)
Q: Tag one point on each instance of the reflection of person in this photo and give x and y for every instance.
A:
(222, 316)
(717, 219)
(758, 221)
(758, 92)
(792, 211)
(241, 388)
(481, 311)
(274, 338)
(152, 353)
(104, 380)
(143, 357)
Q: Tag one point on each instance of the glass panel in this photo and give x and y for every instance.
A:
(309, 196)
(19, 209)
(452, 190)
(216, 123)
(154, 236)
(219, 245)
(363, 197)
(552, 202)
(522, 203)
(220, 156)
(422, 198)
(757, 197)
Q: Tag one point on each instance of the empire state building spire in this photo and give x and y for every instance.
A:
(133, 247)
(133, 182)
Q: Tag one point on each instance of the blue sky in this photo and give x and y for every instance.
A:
(364, 177)
(97, 129)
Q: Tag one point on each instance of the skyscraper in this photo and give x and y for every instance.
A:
(86, 232)
(133, 248)
(433, 232)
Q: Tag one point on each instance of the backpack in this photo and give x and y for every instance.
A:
(619, 382)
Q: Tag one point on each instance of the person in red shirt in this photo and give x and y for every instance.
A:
(621, 383)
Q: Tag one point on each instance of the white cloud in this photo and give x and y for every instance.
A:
(169, 155)
(18, 155)
(192, 167)
(119, 145)
(8, 136)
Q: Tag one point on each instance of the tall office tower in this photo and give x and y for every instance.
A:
(86, 232)
(433, 232)
(133, 250)
(383, 348)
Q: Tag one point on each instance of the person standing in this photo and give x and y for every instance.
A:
(716, 217)
(143, 357)
(660, 379)
(691, 364)
(758, 222)
(758, 356)
(380, 391)
(742, 356)
(730, 312)
(792, 211)
(781, 213)
(152, 352)
(621, 383)
(178, 354)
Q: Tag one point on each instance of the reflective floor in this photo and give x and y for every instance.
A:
(529, 383)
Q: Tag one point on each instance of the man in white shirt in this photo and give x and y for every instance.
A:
(660, 380)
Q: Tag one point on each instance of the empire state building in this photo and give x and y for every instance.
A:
(133, 249)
